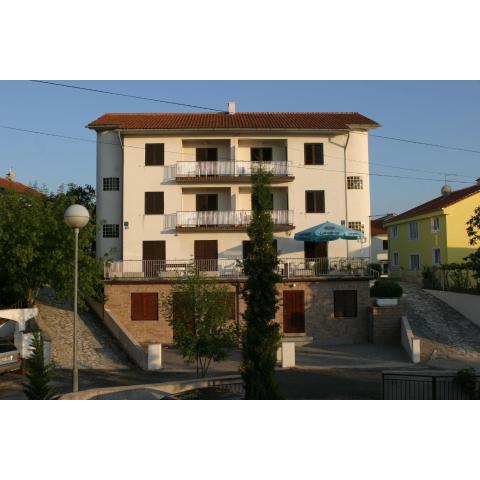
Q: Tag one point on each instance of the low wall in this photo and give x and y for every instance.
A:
(410, 344)
(384, 325)
(168, 387)
(133, 349)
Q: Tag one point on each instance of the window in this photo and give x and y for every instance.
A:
(206, 202)
(154, 154)
(436, 256)
(206, 254)
(385, 244)
(111, 184)
(345, 303)
(313, 153)
(396, 259)
(358, 226)
(144, 306)
(154, 203)
(355, 183)
(206, 154)
(261, 154)
(394, 231)
(413, 230)
(315, 201)
(111, 231)
(435, 224)
(415, 261)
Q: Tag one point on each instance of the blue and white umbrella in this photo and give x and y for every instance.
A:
(326, 232)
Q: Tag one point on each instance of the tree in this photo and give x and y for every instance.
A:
(261, 337)
(39, 375)
(37, 248)
(473, 232)
(198, 310)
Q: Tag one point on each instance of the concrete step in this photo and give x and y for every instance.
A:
(299, 339)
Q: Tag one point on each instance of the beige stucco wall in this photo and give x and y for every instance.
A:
(128, 205)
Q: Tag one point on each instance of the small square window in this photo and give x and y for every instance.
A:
(154, 154)
(358, 226)
(313, 154)
(345, 303)
(111, 184)
(355, 183)
(315, 201)
(111, 230)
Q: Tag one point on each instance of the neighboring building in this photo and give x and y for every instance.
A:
(433, 233)
(9, 184)
(379, 242)
(175, 189)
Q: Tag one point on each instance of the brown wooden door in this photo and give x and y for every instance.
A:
(316, 249)
(294, 311)
(206, 202)
(153, 257)
(206, 255)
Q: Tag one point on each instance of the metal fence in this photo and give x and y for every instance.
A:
(233, 268)
(422, 386)
(229, 168)
(228, 218)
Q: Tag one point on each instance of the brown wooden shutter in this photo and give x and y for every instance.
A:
(320, 201)
(154, 154)
(154, 250)
(309, 202)
(154, 203)
(144, 306)
(308, 154)
(345, 303)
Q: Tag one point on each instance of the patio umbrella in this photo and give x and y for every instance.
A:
(326, 232)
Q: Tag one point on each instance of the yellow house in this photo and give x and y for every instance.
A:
(433, 233)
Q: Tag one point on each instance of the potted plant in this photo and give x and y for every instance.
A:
(386, 292)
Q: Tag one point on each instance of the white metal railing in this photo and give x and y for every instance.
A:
(229, 168)
(220, 218)
(233, 268)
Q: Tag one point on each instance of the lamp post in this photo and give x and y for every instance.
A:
(76, 217)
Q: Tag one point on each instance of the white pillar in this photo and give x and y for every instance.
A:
(288, 355)
(154, 360)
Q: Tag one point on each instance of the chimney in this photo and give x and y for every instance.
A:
(231, 108)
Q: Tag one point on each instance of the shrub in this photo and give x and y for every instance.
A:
(386, 289)
(375, 266)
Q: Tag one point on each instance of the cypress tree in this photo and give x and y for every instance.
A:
(261, 337)
(39, 376)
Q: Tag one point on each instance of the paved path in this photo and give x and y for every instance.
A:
(443, 331)
(97, 348)
(468, 305)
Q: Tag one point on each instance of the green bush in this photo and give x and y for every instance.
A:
(386, 289)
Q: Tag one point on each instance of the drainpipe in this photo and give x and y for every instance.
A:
(345, 183)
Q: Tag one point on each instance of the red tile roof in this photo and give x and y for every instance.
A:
(242, 120)
(17, 187)
(438, 203)
(376, 226)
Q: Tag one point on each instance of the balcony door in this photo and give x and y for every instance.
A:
(208, 158)
(207, 206)
(316, 249)
(206, 255)
(153, 257)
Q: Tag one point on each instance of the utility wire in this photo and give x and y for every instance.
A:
(118, 94)
(384, 137)
(66, 137)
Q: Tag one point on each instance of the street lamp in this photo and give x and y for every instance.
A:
(76, 217)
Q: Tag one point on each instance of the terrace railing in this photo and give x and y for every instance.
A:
(233, 268)
(229, 168)
(226, 218)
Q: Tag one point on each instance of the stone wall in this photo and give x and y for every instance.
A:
(320, 322)
(384, 325)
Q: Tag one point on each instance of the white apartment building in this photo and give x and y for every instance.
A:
(177, 186)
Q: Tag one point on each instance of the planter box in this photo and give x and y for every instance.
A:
(386, 302)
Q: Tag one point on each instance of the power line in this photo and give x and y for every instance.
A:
(66, 137)
(384, 137)
(118, 94)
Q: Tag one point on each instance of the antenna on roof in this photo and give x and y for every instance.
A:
(10, 174)
(446, 189)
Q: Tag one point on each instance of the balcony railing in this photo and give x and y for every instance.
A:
(229, 218)
(229, 169)
(233, 268)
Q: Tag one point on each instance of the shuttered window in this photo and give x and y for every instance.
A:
(258, 154)
(315, 201)
(154, 154)
(206, 154)
(345, 303)
(144, 306)
(313, 153)
(154, 203)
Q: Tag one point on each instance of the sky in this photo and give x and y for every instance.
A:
(442, 112)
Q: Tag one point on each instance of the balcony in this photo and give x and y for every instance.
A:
(288, 268)
(229, 171)
(229, 220)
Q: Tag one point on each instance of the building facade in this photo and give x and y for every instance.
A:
(379, 243)
(433, 233)
(174, 190)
